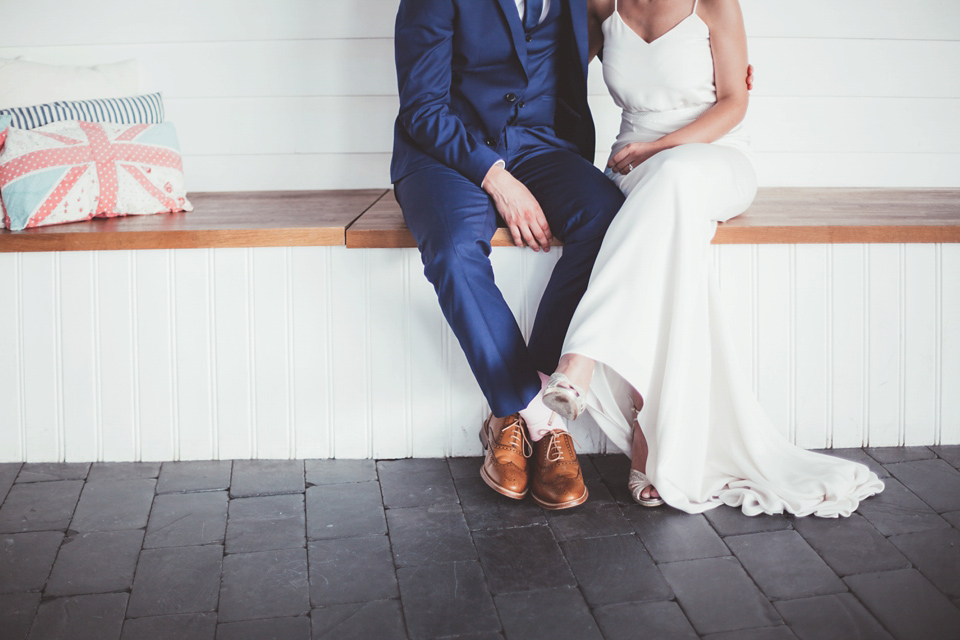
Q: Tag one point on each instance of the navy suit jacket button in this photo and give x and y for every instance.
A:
(490, 142)
(510, 97)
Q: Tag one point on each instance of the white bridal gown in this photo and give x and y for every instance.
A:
(652, 316)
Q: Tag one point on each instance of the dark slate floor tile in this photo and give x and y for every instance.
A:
(351, 570)
(671, 536)
(937, 555)
(717, 595)
(488, 635)
(16, 614)
(658, 620)
(465, 467)
(95, 563)
(933, 481)
(264, 584)
(897, 511)
(8, 473)
(187, 626)
(599, 493)
(590, 471)
(26, 559)
(614, 470)
(589, 520)
(731, 521)
(320, 472)
(888, 455)
(850, 545)
(765, 633)
(345, 510)
(96, 617)
(273, 629)
(176, 580)
(381, 619)
(185, 519)
(197, 475)
(557, 614)
(783, 565)
(835, 617)
(953, 518)
(522, 559)
(39, 506)
(51, 471)
(857, 455)
(415, 482)
(266, 523)
(484, 508)
(111, 505)
(615, 569)
(950, 453)
(123, 470)
(266, 478)
(907, 604)
(421, 535)
(447, 600)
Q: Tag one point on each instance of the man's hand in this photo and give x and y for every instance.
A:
(749, 77)
(518, 208)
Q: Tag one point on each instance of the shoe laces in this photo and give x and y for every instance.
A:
(554, 452)
(518, 438)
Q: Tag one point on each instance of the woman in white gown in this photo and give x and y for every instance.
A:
(649, 334)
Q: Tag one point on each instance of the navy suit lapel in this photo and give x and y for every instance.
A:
(578, 18)
(510, 12)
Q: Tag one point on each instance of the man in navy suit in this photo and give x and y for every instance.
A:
(494, 122)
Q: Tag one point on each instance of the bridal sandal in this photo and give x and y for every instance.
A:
(638, 481)
(563, 397)
(636, 484)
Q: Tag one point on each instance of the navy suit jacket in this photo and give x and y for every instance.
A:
(457, 60)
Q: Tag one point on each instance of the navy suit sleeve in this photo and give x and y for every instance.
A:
(424, 56)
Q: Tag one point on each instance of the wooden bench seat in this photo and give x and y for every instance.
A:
(371, 218)
(236, 219)
(778, 216)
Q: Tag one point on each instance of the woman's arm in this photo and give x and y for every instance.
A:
(597, 12)
(728, 43)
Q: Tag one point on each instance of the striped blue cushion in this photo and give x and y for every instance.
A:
(146, 109)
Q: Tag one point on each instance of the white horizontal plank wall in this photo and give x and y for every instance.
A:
(325, 352)
(330, 352)
(301, 94)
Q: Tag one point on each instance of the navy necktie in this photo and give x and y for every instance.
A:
(531, 16)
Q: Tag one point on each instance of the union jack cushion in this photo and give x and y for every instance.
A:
(73, 170)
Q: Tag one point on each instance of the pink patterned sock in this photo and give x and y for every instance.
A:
(537, 415)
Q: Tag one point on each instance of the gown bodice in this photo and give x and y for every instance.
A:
(661, 85)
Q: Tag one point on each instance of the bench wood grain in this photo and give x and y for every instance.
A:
(781, 215)
(235, 219)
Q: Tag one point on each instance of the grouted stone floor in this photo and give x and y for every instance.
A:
(421, 548)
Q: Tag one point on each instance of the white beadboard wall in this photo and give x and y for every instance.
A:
(327, 351)
(323, 352)
(301, 94)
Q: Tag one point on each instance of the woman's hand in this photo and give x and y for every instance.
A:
(632, 156)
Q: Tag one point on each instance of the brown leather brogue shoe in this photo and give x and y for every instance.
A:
(505, 467)
(557, 480)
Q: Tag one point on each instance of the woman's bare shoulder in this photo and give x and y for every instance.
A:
(718, 9)
(600, 10)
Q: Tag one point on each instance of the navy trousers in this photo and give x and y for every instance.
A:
(453, 221)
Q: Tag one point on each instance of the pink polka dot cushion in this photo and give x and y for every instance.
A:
(73, 170)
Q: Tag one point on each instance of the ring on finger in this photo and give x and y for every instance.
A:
(630, 167)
